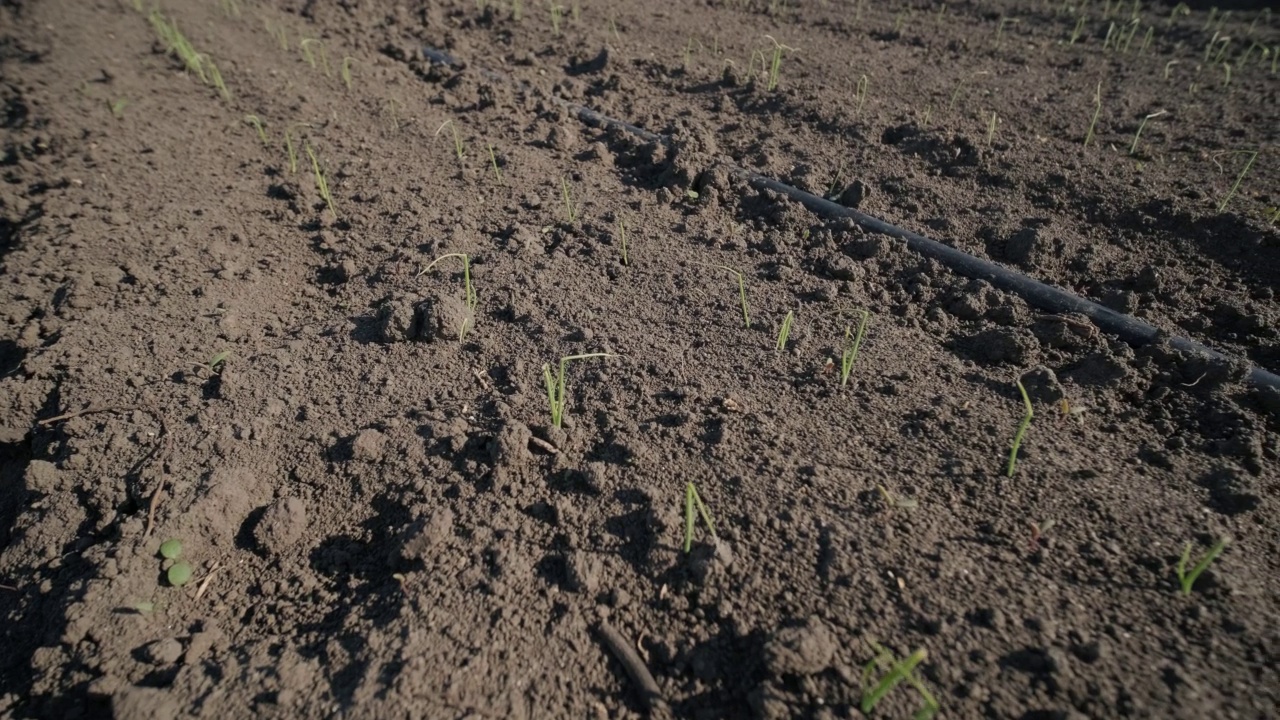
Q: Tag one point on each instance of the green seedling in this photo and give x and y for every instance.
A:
(1187, 579)
(117, 107)
(1004, 22)
(517, 10)
(279, 33)
(468, 288)
(175, 42)
(776, 63)
(290, 149)
(346, 71)
(231, 8)
(179, 573)
(1271, 215)
(493, 161)
(458, 148)
(1226, 67)
(321, 183)
(1146, 39)
(1179, 9)
(1253, 155)
(991, 128)
(850, 353)
(893, 501)
(613, 28)
(897, 672)
(219, 360)
(556, 385)
(622, 238)
(145, 607)
(955, 94)
(1078, 30)
(742, 289)
(692, 500)
(1137, 135)
(556, 11)
(575, 10)
(1107, 42)
(1022, 428)
(1168, 66)
(1097, 110)
(570, 210)
(785, 331)
(900, 22)
(860, 95)
(216, 78)
(171, 549)
(310, 57)
(837, 187)
(257, 125)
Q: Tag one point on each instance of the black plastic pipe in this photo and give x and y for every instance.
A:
(1046, 297)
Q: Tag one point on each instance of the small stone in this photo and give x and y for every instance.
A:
(805, 650)
(282, 525)
(163, 652)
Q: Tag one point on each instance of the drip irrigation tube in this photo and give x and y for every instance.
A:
(1046, 297)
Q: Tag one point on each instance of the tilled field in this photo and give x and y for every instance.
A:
(235, 314)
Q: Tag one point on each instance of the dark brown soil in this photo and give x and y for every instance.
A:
(382, 522)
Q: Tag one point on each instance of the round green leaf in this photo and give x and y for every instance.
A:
(180, 573)
(171, 549)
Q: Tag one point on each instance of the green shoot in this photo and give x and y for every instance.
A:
(955, 94)
(257, 124)
(613, 28)
(556, 10)
(218, 359)
(893, 501)
(898, 672)
(458, 148)
(171, 549)
(569, 210)
(291, 150)
(1097, 110)
(622, 237)
(836, 187)
(175, 42)
(1004, 21)
(742, 289)
(279, 33)
(991, 128)
(1134, 147)
(692, 500)
(1022, 429)
(1271, 215)
(1187, 579)
(493, 160)
(346, 71)
(576, 10)
(1078, 30)
(1179, 9)
(117, 107)
(517, 10)
(179, 573)
(556, 386)
(231, 8)
(468, 288)
(1169, 65)
(850, 353)
(1253, 155)
(861, 95)
(305, 45)
(1146, 39)
(776, 63)
(785, 331)
(321, 183)
(216, 77)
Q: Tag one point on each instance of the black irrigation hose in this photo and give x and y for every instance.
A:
(1129, 329)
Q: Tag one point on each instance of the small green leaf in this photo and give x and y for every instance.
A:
(218, 359)
(180, 573)
(171, 549)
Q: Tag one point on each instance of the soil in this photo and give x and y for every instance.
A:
(360, 464)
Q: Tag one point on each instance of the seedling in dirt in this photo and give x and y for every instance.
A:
(231, 8)
(991, 128)
(1039, 530)
(1004, 21)
(860, 95)
(897, 671)
(171, 549)
(216, 77)
(1179, 9)
(742, 290)
(1271, 215)
(346, 71)
(955, 94)
(1253, 155)
(1137, 135)
(892, 501)
(1097, 110)
(1187, 579)
(692, 500)
(850, 353)
(785, 331)
(175, 42)
(257, 125)
(493, 160)
(321, 183)
(556, 11)
(310, 57)
(117, 107)
(458, 148)
(219, 360)
(179, 573)
(622, 238)
(289, 147)
(517, 10)
(1022, 428)
(468, 288)
(570, 210)
(556, 386)
(776, 63)
(279, 33)
(837, 187)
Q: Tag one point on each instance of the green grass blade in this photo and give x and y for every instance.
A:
(1022, 428)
